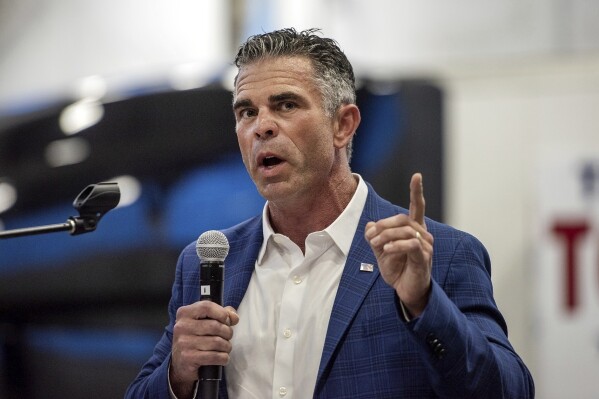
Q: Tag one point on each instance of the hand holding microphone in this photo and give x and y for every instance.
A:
(202, 331)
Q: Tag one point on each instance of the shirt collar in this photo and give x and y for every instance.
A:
(342, 230)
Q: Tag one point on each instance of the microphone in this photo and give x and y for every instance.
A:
(212, 248)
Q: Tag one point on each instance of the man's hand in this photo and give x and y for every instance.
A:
(201, 337)
(404, 251)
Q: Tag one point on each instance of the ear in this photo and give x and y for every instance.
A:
(347, 121)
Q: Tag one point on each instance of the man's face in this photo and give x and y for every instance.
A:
(285, 138)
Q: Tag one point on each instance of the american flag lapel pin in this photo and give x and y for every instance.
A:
(366, 267)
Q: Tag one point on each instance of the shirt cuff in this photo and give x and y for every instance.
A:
(406, 315)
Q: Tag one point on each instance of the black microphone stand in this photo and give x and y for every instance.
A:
(92, 203)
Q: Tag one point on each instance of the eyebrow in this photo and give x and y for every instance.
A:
(241, 103)
(287, 95)
(275, 98)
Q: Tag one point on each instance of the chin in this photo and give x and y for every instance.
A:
(276, 192)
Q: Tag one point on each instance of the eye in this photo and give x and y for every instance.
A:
(247, 113)
(287, 106)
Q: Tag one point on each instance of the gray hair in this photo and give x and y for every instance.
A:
(334, 75)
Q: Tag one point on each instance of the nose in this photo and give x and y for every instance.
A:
(266, 127)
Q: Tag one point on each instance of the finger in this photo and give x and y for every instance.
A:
(417, 204)
(187, 360)
(401, 232)
(202, 328)
(233, 316)
(213, 344)
(370, 231)
(211, 358)
(203, 310)
(412, 241)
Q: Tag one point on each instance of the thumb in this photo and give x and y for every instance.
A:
(233, 316)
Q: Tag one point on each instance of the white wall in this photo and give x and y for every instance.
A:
(503, 125)
(46, 46)
(399, 36)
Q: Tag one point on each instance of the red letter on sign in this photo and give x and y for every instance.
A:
(571, 232)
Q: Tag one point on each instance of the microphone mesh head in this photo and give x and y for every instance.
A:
(212, 246)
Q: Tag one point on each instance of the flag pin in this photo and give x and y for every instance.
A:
(366, 267)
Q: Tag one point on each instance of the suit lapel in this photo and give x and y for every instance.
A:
(241, 261)
(355, 283)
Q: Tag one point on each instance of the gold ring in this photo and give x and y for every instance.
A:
(418, 236)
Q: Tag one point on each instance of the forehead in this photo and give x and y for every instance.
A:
(275, 73)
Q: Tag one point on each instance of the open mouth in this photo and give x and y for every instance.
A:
(269, 162)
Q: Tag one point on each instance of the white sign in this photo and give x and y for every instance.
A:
(566, 271)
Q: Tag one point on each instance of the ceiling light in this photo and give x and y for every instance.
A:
(8, 196)
(130, 188)
(91, 88)
(67, 151)
(80, 115)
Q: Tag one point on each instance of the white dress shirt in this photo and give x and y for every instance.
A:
(284, 315)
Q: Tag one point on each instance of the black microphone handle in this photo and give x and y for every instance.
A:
(211, 281)
(211, 289)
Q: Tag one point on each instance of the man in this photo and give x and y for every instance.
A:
(339, 294)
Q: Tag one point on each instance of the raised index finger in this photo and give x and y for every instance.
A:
(417, 204)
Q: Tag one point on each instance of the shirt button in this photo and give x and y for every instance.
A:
(287, 333)
(297, 279)
(282, 391)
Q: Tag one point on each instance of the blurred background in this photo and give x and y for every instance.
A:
(496, 103)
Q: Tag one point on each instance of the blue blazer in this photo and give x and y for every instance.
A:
(458, 348)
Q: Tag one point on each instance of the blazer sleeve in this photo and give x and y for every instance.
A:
(152, 380)
(464, 336)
